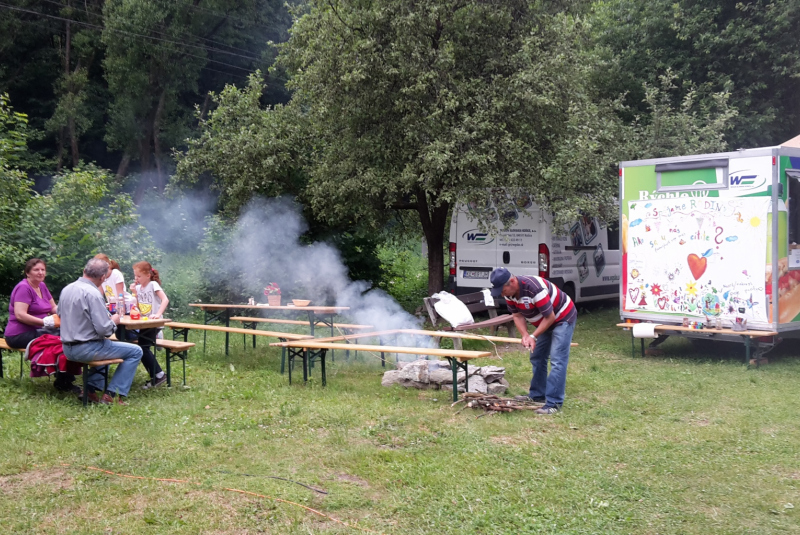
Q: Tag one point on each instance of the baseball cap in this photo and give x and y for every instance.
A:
(498, 278)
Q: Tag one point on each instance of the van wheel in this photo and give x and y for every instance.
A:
(569, 289)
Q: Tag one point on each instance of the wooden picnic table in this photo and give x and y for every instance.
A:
(222, 313)
(711, 334)
(307, 350)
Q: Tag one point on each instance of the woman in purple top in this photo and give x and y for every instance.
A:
(31, 306)
(31, 312)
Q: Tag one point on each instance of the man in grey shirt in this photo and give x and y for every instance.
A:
(85, 327)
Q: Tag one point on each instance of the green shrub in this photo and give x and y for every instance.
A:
(405, 272)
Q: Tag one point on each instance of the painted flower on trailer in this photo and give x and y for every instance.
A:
(691, 288)
(655, 289)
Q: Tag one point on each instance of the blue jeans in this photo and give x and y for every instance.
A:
(553, 343)
(131, 354)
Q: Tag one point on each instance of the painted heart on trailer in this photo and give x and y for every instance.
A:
(662, 302)
(697, 265)
(634, 293)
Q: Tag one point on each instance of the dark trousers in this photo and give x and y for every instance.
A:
(148, 359)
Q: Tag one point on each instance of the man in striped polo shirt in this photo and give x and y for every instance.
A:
(538, 301)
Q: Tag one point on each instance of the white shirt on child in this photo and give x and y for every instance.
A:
(149, 302)
(110, 287)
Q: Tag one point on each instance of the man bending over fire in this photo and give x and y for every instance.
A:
(552, 313)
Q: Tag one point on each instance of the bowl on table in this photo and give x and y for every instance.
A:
(301, 302)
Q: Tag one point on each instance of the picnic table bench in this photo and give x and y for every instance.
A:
(5, 347)
(222, 314)
(310, 349)
(182, 329)
(252, 322)
(709, 334)
(475, 302)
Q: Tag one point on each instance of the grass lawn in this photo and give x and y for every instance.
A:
(682, 443)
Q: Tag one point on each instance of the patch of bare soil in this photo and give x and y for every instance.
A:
(348, 478)
(53, 479)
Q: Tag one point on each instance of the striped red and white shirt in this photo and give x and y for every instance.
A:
(537, 298)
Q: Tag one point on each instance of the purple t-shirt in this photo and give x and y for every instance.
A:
(37, 306)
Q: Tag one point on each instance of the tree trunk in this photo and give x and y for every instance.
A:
(156, 144)
(73, 136)
(60, 150)
(433, 225)
(122, 169)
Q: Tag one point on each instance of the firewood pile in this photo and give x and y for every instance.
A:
(492, 404)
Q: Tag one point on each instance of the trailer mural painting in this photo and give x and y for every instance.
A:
(697, 237)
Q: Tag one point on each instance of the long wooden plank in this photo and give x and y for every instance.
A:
(255, 332)
(435, 352)
(301, 322)
(681, 328)
(313, 308)
(438, 334)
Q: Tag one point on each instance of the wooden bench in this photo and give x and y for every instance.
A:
(175, 350)
(5, 347)
(92, 368)
(183, 329)
(475, 303)
(728, 335)
(305, 350)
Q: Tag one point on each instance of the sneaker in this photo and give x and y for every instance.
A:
(92, 397)
(108, 399)
(158, 382)
(552, 409)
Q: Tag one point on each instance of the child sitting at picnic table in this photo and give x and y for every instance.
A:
(114, 285)
(152, 302)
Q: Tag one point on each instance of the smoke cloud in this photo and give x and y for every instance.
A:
(266, 245)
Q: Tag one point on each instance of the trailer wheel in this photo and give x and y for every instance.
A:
(569, 289)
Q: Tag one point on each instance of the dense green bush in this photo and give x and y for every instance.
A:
(406, 271)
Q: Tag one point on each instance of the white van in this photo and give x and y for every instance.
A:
(584, 260)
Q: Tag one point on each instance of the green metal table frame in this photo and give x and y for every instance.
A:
(307, 356)
(455, 365)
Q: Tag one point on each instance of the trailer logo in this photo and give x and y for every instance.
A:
(746, 179)
(478, 238)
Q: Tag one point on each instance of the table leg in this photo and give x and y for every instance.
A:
(454, 367)
(642, 339)
(205, 322)
(1, 363)
(305, 365)
(633, 345)
(169, 368)
(747, 350)
(227, 325)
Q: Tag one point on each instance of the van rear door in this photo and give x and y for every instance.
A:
(476, 249)
(518, 245)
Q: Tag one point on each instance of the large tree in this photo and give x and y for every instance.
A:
(748, 48)
(408, 105)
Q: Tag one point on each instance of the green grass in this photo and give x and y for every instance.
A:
(683, 443)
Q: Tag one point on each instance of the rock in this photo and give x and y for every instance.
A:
(391, 377)
(437, 374)
(449, 387)
(440, 376)
(492, 374)
(496, 388)
(416, 371)
(477, 384)
(394, 377)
